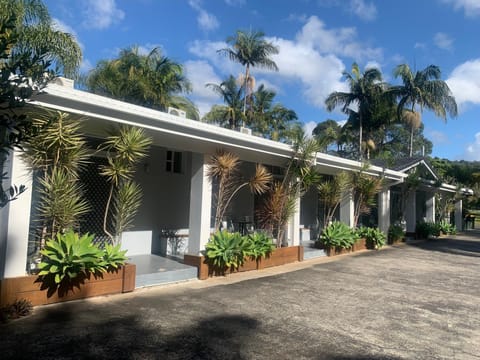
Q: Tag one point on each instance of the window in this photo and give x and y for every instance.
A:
(174, 162)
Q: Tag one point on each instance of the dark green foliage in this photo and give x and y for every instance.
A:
(374, 237)
(19, 308)
(446, 228)
(227, 250)
(339, 235)
(261, 245)
(230, 250)
(426, 229)
(395, 233)
(70, 256)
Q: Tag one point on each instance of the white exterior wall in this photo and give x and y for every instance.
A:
(384, 210)
(347, 209)
(200, 204)
(15, 221)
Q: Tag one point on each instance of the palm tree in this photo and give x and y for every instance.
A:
(37, 36)
(327, 133)
(250, 49)
(151, 80)
(424, 89)
(365, 89)
(229, 114)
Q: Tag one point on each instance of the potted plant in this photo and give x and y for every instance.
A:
(338, 238)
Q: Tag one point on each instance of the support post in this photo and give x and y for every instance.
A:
(347, 209)
(459, 214)
(384, 210)
(200, 204)
(411, 212)
(15, 220)
(294, 225)
(430, 204)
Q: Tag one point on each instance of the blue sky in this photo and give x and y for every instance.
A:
(318, 39)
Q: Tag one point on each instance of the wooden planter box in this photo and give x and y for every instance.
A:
(279, 256)
(333, 250)
(27, 287)
(395, 241)
(360, 244)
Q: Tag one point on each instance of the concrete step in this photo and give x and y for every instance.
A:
(159, 278)
(311, 253)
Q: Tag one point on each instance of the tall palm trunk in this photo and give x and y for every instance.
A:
(247, 75)
(361, 138)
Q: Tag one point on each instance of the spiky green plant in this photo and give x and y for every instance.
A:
(223, 167)
(338, 234)
(227, 250)
(124, 151)
(57, 152)
(331, 191)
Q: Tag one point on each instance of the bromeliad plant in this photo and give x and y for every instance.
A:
(338, 235)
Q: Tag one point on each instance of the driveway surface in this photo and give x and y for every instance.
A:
(413, 301)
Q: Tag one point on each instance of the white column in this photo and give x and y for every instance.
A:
(15, 220)
(384, 210)
(459, 215)
(294, 225)
(411, 212)
(347, 209)
(430, 204)
(200, 204)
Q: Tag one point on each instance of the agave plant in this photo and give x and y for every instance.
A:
(338, 234)
(227, 250)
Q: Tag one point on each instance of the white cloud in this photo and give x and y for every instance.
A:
(101, 14)
(205, 20)
(235, 2)
(365, 11)
(438, 137)
(464, 81)
(338, 41)
(471, 8)
(86, 66)
(419, 45)
(201, 73)
(308, 128)
(61, 26)
(443, 41)
(312, 58)
(472, 151)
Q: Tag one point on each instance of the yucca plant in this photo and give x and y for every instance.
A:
(124, 151)
(364, 187)
(223, 168)
(331, 191)
(57, 152)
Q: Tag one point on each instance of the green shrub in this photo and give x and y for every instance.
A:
(260, 245)
(339, 235)
(68, 256)
(227, 250)
(395, 233)
(113, 257)
(426, 229)
(374, 237)
(447, 228)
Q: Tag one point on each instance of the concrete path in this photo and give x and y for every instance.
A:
(413, 301)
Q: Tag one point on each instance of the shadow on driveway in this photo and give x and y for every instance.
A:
(452, 246)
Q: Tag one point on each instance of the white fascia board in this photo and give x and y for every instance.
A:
(425, 164)
(95, 106)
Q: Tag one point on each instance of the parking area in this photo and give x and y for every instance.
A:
(412, 301)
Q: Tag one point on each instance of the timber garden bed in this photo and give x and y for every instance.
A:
(279, 256)
(30, 288)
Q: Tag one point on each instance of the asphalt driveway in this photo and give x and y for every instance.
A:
(414, 301)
